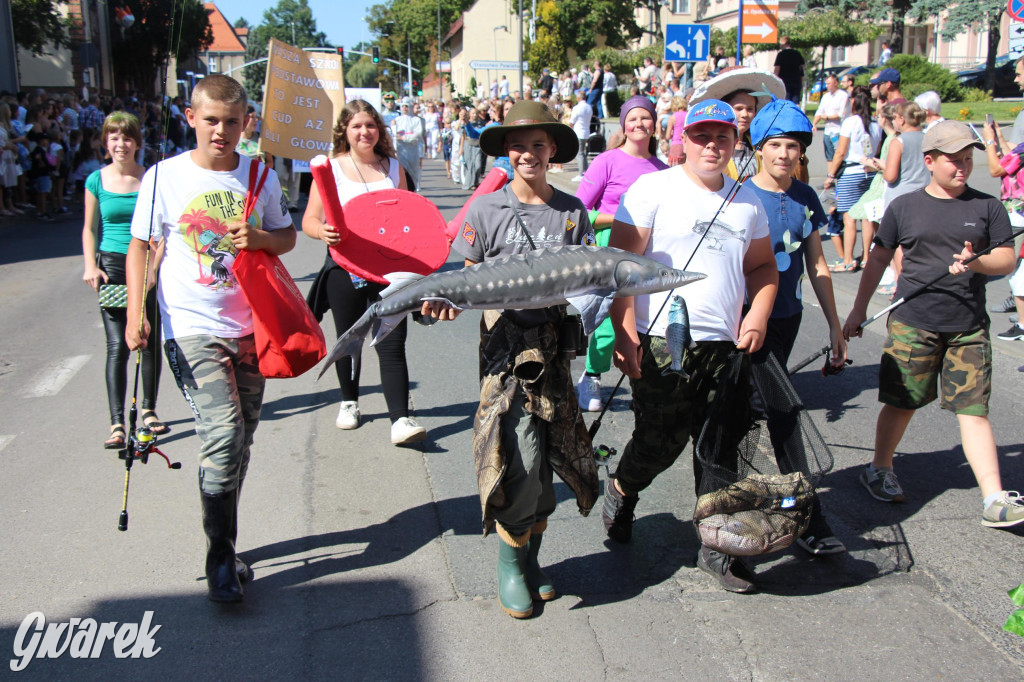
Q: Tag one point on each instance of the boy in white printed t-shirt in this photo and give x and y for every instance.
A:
(668, 216)
(197, 202)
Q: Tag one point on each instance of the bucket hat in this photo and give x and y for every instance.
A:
(530, 115)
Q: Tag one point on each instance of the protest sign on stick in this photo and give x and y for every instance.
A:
(302, 94)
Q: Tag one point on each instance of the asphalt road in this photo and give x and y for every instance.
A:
(369, 560)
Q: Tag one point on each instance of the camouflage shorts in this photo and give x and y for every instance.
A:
(917, 364)
(221, 380)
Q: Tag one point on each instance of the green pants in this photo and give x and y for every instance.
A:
(602, 340)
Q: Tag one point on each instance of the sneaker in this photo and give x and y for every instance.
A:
(732, 574)
(1008, 305)
(882, 484)
(1014, 333)
(820, 546)
(405, 430)
(44, 217)
(1007, 511)
(588, 391)
(617, 512)
(348, 415)
(576, 178)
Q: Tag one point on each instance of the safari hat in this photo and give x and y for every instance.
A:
(742, 78)
(529, 115)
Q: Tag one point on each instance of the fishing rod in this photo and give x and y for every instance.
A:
(141, 441)
(603, 452)
(896, 304)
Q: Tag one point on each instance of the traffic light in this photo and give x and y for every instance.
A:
(341, 53)
(376, 55)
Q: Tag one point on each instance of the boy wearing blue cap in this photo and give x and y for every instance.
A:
(783, 133)
(670, 216)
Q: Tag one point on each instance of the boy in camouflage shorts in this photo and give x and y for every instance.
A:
(191, 207)
(938, 342)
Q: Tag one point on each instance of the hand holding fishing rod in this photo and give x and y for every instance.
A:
(858, 319)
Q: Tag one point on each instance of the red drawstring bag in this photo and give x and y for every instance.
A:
(289, 340)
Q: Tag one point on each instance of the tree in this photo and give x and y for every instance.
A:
(241, 22)
(825, 28)
(876, 11)
(37, 23)
(985, 15)
(141, 51)
(290, 21)
(361, 74)
(582, 21)
(548, 50)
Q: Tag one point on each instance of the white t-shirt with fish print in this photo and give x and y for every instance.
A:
(677, 212)
(197, 290)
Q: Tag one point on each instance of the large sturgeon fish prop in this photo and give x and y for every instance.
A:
(588, 277)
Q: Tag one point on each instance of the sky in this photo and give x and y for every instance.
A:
(341, 20)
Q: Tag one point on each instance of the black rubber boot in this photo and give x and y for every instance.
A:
(245, 572)
(219, 513)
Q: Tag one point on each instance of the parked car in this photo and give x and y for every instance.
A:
(818, 86)
(974, 77)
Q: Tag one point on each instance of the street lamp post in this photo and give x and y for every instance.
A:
(520, 51)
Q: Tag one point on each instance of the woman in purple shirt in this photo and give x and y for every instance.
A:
(607, 179)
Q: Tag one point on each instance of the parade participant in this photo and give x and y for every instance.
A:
(860, 140)
(432, 139)
(363, 161)
(192, 204)
(746, 91)
(473, 158)
(674, 131)
(789, 67)
(611, 174)
(527, 424)
(249, 143)
(110, 195)
(736, 254)
(390, 113)
(408, 133)
(938, 342)
(832, 111)
(580, 119)
(783, 134)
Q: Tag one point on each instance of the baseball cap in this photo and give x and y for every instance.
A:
(886, 76)
(949, 137)
(710, 111)
(781, 118)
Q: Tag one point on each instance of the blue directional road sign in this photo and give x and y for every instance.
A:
(687, 42)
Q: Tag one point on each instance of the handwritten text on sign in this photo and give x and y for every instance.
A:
(301, 97)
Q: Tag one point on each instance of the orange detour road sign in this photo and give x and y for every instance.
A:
(760, 21)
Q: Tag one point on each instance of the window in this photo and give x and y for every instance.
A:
(838, 55)
(680, 6)
(211, 63)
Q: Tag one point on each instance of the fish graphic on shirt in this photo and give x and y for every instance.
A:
(717, 233)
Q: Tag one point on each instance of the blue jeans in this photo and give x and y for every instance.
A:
(594, 100)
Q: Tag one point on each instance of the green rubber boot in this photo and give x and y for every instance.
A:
(540, 585)
(513, 594)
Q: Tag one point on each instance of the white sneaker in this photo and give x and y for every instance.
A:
(589, 391)
(576, 178)
(348, 415)
(405, 430)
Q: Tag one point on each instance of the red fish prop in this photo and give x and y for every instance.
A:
(382, 232)
(494, 181)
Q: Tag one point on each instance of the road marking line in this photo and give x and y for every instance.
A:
(50, 381)
(4, 440)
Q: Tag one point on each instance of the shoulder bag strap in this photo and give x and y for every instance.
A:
(519, 218)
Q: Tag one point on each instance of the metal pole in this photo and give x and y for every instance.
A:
(440, 89)
(739, 36)
(408, 62)
(521, 50)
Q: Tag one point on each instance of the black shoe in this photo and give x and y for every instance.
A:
(1014, 333)
(731, 573)
(617, 512)
(222, 577)
(1008, 305)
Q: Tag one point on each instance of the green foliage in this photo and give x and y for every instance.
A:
(407, 29)
(975, 95)
(829, 28)
(624, 61)
(581, 21)
(279, 22)
(37, 24)
(472, 85)
(958, 15)
(914, 69)
(912, 90)
(548, 50)
(142, 51)
(361, 74)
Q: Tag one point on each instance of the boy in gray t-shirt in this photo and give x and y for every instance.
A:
(528, 423)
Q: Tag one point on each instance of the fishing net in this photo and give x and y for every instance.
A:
(759, 459)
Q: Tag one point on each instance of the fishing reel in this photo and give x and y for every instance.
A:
(603, 454)
(141, 445)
